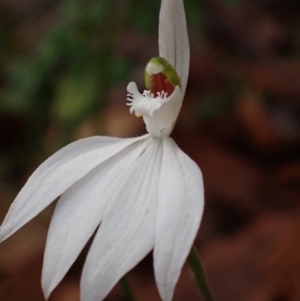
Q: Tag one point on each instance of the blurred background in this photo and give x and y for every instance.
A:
(64, 68)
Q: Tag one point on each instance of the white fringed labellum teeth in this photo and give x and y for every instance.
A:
(144, 104)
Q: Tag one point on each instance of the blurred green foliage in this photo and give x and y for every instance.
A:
(73, 67)
(71, 70)
(62, 80)
(69, 73)
(65, 77)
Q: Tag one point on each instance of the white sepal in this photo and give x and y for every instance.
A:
(56, 175)
(126, 234)
(79, 212)
(173, 38)
(179, 212)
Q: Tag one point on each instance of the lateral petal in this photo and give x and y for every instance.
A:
(80, 210)
(180, 207)
(56, 175)
(126, 233)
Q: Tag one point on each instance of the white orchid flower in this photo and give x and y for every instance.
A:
(144, 192)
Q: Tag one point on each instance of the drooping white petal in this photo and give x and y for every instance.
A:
(180, 207)
(80, 210)
(126, 233)
(56, 175)
(173, 38)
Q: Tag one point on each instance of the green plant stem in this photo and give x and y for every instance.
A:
(199, 274)
(127, 292)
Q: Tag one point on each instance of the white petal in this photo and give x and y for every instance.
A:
(79, 212)
(57, 174)
(126, 234)
(173, 38)
(180, 207)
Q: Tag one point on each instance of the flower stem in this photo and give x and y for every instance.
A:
(199, 274)
(127, 292)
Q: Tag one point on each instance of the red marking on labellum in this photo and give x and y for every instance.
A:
(159, 82)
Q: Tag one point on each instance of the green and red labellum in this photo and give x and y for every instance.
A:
(160, 76)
